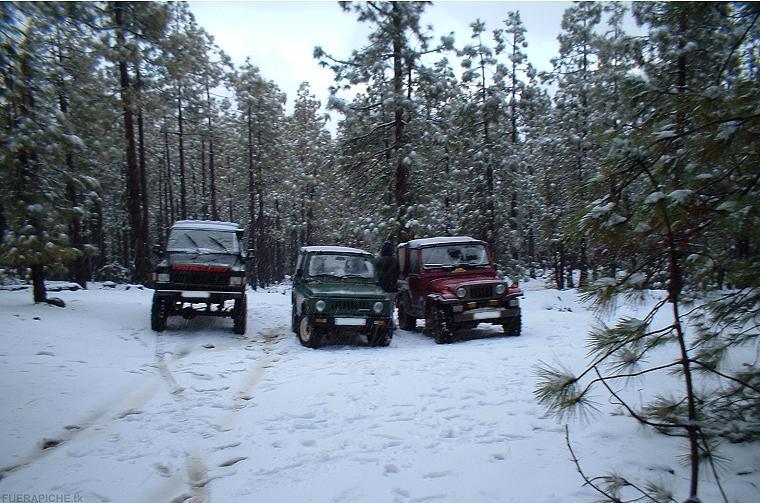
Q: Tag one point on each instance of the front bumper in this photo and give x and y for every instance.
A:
(497, 316)
(200, 295)
(348, 323)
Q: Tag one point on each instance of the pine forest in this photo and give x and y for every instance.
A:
(633, 164)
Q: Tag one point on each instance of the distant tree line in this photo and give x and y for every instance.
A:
(122, 117)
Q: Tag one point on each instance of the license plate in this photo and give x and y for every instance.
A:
(486, 315)
(196, 295)
(350, 322)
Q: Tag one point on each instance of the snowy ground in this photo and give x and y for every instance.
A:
(95, 407)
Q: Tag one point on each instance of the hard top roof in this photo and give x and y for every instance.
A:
(206, 225)
(443, 240)
(333, 249)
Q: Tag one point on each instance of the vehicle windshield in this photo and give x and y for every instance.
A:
(341, 266)
(454, 255)
(202, 241)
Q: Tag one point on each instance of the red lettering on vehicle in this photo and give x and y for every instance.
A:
(199, 268)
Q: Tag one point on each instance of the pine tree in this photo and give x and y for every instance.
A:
(37, 212)
(378, 137)
(680, 173)
(574, 74)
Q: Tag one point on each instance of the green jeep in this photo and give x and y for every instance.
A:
(335, 289)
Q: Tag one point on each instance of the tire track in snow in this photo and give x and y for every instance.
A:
(193, 486)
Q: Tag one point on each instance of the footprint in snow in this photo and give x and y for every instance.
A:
(435, 475)
(45, 353)
(232, 461)
(391, 469)
(48, 443)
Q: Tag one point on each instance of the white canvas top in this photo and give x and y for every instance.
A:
(334, 249)
(418, 243)
(205, 224)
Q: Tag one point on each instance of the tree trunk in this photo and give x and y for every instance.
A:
(182, 178)
(139, 273)
(38, 283)
(211, 166)
(402, 172)
(143, 240)
(260, 221)
(172, 211)
(252, 264)
(78, 266)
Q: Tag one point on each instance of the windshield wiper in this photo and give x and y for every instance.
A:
(322, 274)
(212, 238)
(195, 243)
(469, 264)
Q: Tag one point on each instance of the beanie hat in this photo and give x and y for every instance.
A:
(387, 248)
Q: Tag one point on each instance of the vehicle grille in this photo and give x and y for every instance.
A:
(200, 278)
(350, 306)
(481, 292)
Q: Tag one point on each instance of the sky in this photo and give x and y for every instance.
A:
(280, 37)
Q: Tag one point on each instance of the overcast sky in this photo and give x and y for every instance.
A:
(280, 37)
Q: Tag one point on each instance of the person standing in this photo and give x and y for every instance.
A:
(388, 272)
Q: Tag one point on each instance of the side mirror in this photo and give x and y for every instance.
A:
(158, 250)
(250, 254)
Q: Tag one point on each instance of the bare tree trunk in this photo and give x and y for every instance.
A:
(144, 234)
(172, 211)
(261, 248)
(211, 166)
(182, 177)
(139, 273)
(252, 264)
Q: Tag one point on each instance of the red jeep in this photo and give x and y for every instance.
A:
(451, 283)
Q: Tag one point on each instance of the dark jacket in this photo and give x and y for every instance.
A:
(387, 272)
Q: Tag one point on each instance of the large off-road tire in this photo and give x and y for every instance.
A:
(159, 312)
(439, 324)
(240, 315)
(308, 335)
(514, 327)
(405, 320)
(380, 336)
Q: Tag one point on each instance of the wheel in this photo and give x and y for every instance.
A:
(159, 313)
(514, 327)
(240, 315)
(440, 325)
(308, 335)
(380, 336)
(405, 321)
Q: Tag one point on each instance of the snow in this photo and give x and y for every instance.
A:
(206, 225)
(334, 249)
(418, 243)
(95, 404)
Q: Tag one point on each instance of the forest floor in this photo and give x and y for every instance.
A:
(96, 407)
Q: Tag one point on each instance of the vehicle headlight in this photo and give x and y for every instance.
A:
(236, 280)
(514, 302)
(320, 306)
(378, 307)
(500, 288)
(461, 292)
(162, 277)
